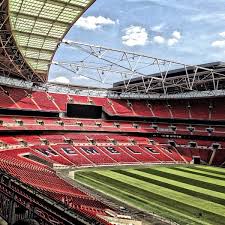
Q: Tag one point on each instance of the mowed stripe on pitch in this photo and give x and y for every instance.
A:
(179, 171)
(174, 170)
(201, 173)
(205, 172)
(215, 170)
(199, 192)
(168, 193)
(132, 198)
(187, 180)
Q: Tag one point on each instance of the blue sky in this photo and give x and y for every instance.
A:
(188, 31)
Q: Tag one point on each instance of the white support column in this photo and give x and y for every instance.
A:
(212, 156)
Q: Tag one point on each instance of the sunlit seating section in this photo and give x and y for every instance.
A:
(16, 98)
(77, 99)
(60, 100)
(44, 101)
(72, 154)
(104, 102)
(95, 155)
(122, 108)
(42, 178)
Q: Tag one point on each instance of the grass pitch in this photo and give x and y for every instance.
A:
(187, 195)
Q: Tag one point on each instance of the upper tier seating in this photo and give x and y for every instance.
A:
(180, 109)
(20, 99)
(141, 108)
(44, 102)
(60, 100)
(218, 109)
(199, 109)
(106, 103)
(160, 109)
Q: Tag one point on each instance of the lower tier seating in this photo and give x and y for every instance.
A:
(34, 163)
(47, 181)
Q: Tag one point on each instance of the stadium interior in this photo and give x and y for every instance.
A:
(45, 132)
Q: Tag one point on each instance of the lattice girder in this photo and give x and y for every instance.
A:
(31, 31)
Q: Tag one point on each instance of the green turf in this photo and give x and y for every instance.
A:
(177, 193)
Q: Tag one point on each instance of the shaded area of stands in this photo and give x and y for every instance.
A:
(33, 113)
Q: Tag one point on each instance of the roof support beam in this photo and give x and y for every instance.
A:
(142, 73)
(42, 31)
(42, 19)
(28, 48)
(65, 3)
(36, 35)
(38, 60)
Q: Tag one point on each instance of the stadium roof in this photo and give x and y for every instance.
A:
(175, 72)
(31, 31)
(126, 72)
(204, 77)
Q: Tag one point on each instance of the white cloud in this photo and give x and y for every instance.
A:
(172, 41)
(62, 80)
(222, 34)
(159, 39)
(93, 23)
(218, 44)
(135, 35)
(157, 28)
(176, 34)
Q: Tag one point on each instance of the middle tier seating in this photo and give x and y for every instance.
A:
(73, 149)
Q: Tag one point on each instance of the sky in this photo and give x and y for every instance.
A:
(187, 31)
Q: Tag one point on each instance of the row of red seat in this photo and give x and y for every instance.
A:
(181, 109)
(32, 171)
(91, 155)
(202, 148)
(89, 139)
(62, 124)
(87, 148)
(81, 139)
(47, 181)
(185, 109)
(43, 123)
